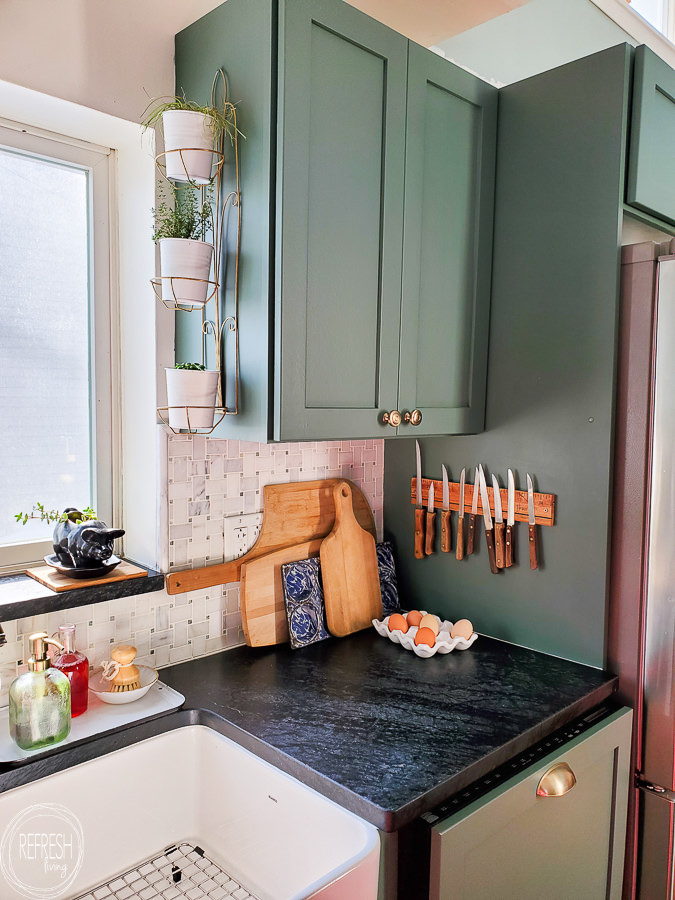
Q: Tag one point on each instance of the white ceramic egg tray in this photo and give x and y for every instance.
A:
(444, 643)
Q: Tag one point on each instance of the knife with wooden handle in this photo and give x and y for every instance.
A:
(487, 518)
(446, 536)
(499, 523)
(430, 523)
(473, 516)
(532, 526)
(419, 508)
(460, 519)
(510, 519)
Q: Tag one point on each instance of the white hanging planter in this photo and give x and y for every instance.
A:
(193, 134)
(188, 390)
(185, 266)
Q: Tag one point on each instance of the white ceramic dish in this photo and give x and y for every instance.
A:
(103, 689)
(444, 643)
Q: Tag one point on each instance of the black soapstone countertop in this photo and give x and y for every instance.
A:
(382, 732)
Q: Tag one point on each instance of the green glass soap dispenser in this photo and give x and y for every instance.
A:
(39, 700)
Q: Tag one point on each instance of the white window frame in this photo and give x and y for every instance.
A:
(98, 162)
(639, 29)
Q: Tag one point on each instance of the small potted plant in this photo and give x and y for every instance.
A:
(184, 256)
(191, 131)
(191, 391)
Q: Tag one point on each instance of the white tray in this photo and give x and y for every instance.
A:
(98, 718)
(444, 643)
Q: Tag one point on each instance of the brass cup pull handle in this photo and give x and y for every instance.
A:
(392, 418)
(557, 782)
(414, 417)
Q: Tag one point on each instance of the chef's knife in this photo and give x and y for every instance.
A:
(474, 515)
(446, 537)
(499, 523)
(431, 523)
(489, 532)
(532, 525)
(460, 518)
(510, 519)
(419, 508)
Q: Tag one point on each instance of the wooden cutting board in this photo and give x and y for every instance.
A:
(58, 582)
(292, 514)
(351, 583)
(263, 610)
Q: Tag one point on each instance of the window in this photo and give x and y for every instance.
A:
(659, 13)
(56, 397)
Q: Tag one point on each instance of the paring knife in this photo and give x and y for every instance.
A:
(460, 518)
(499, 523)
(419, 508)
(532, 525)
(474, 515)
(431, 523)
(510, 519)
(489, 532)
(446, 537)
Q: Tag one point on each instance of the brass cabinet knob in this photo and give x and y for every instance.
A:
(392, 418)
(559, 780)
(414, 417)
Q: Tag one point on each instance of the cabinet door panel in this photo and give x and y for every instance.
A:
(651, 181)
(340, 191)
(450, 157)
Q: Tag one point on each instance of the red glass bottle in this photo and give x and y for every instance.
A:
(76, 666)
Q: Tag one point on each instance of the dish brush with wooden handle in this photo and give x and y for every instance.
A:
(127, 677)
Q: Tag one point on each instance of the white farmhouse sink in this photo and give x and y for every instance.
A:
(276, 837)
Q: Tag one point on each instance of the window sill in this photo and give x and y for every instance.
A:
(22, 596)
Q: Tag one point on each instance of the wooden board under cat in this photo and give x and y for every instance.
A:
(57, 582)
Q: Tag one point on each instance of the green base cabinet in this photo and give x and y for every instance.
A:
(367, 198)
(515, 845)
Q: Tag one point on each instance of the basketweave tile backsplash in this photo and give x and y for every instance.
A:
(208, 480)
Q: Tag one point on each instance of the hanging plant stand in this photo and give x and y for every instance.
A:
(165, 414)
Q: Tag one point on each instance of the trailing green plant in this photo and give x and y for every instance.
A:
(191, 367)
(223, 120)
(182, 216)
(54, 515)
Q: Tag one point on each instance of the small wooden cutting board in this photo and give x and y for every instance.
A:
(58, 582)
(263, 609)
(351, 583)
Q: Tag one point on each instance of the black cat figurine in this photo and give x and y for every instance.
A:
(85, 545)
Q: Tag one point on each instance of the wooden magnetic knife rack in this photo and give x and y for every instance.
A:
(544, 504)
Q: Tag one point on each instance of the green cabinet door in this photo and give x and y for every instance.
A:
(339, 201)
(447, 249)
(651, 175)
(515, 845)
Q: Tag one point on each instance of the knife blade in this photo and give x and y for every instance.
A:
(474, 515)
(510, 518)
(446, 537)
(487, 518)
(532, 527)
(460, 517)
(499, 523)
(419, 508)
(430, 523)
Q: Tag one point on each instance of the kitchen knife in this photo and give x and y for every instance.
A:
(431, 523)
(460, 517)
(510, 519)
(446, 537)
(489, 531)
(474, 515)
(532, 525)
(419, 508)
(499, 523)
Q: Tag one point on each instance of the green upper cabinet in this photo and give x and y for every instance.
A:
(447, 247)
(651, 177)
(367, 193)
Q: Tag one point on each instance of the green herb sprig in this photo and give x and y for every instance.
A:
(53, 515)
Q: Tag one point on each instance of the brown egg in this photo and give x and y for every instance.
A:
(425, 636)
(414, 618)
(462, 629)
(431, 622)
(397, 623)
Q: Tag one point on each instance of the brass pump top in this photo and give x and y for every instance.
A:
(39, 661)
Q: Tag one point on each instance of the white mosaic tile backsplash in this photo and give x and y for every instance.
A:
(207, 480)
